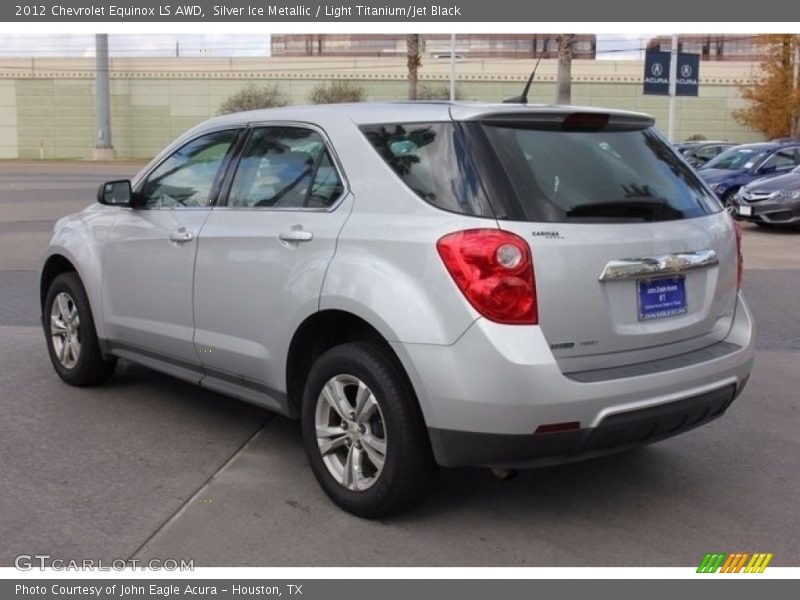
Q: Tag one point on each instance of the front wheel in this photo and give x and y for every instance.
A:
(727, 199)
(70, 333)
(363, 432)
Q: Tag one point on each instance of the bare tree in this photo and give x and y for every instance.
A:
(566, 45)
(414, 63)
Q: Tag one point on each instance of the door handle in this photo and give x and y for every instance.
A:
(181, 236)
(295, 234)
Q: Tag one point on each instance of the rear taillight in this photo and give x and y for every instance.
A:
(739, 257)
(494, 271)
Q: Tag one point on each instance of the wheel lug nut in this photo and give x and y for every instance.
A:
(348, 442)
(343, 425)
(362, 428)
(358, 445)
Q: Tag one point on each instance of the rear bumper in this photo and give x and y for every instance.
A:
(615, 433)
(485, 396)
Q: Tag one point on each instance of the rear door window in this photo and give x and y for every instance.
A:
(285, 168)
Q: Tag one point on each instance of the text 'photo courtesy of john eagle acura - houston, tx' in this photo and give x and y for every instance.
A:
(423, 284)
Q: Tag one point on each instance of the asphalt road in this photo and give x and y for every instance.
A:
(150, 467)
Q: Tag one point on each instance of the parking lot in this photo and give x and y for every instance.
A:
(150, 467)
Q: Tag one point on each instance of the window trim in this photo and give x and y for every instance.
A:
(216, 186)
(233, 167)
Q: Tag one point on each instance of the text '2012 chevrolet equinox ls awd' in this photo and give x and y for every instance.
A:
(421, 284)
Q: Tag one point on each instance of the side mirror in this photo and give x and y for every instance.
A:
(115, 193)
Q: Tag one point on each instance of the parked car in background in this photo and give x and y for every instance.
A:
(770, 201)
(419, 284)
(740, 165)
(699, 153)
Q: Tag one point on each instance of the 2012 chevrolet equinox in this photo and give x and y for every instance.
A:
(420, 283)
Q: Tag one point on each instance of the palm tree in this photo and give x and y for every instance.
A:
(414, 63)
(566, 44)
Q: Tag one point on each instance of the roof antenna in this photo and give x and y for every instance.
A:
(523, 99)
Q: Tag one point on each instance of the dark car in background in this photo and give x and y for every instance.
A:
(736, 167)
(698, 154)
(770, 201)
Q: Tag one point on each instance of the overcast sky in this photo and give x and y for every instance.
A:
(609, 46)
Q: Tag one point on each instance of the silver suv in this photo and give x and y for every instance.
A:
(421, 284)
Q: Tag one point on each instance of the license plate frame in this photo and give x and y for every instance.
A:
(661, 297)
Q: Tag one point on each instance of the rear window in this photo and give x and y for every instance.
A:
(588, 175)
(431, 159)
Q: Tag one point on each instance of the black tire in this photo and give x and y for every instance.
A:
(409, 468)
(727, 199)
(90, 368)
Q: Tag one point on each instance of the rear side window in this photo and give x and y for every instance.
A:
(596, 175)
(431, 160)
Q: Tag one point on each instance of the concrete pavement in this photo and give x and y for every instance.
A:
(148, 466)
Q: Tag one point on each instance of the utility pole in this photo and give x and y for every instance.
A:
(103, 149)
(673, 84)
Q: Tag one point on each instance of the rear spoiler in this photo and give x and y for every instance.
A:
(566, 120)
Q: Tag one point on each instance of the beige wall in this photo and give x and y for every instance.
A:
(8, 119)
(49, 103)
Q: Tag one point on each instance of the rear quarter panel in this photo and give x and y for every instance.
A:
(386, 268)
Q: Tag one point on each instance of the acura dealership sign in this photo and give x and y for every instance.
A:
(688, 74)
(656, 74)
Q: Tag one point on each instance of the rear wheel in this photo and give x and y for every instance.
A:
(363, 432)
(71, 336)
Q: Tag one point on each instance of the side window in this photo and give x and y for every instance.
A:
(327, 186)
(187, 177)
(784, 160)
(285, 167)
(707, 152)
(431, 160)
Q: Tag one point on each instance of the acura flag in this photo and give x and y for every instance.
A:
(656, 74)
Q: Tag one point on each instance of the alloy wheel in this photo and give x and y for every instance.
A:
(350, 431)
(65, 330)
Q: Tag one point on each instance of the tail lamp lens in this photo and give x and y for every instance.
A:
(494, 271)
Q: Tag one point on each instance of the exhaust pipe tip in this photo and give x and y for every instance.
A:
(504, 474)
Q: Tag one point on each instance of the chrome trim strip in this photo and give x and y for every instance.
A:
(665, 264)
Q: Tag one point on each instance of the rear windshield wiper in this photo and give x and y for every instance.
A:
(644, 209)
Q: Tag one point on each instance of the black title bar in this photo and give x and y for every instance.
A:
(445, 11)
